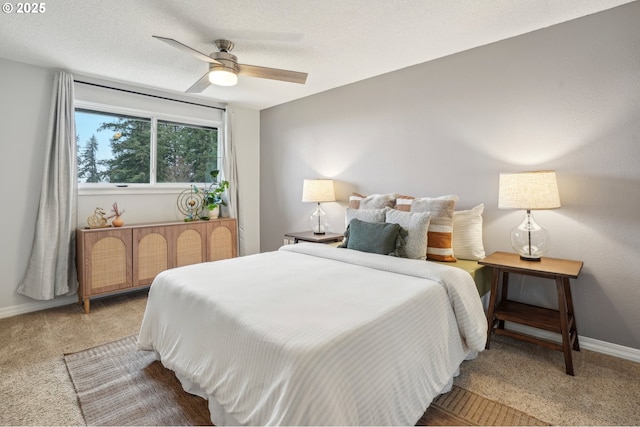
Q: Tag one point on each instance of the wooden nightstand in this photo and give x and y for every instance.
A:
(308, 236)
(561, 321)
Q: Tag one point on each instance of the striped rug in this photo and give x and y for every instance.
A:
(118, 385)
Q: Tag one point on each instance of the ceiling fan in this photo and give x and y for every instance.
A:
(224, 67)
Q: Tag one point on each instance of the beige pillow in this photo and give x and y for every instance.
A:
(374, 201)
(417, 226)
(467, 234)
(440, 236)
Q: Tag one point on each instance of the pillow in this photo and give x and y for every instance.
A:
(417, 226)
(369, 215)
(467, 234)
(440, 245)
(375, 237)
(374, 201)
(403, 203)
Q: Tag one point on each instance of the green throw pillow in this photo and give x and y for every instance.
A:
(375, 237)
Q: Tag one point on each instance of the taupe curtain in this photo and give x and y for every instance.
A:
(229, 170)
(51, 270)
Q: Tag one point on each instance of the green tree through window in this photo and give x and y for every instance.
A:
(120, 148)
(88, 161)
(186, 153)
(130, 148)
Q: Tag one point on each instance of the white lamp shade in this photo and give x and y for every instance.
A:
(528, 190)
(223, 76)
(318, 191)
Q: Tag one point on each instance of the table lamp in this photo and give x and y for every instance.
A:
(529, 191)
(318, 191)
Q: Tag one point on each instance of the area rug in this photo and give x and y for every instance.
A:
(119, 385)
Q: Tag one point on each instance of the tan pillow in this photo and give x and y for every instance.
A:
(440, 235)
(374, 201)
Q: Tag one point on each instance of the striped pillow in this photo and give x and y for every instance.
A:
(440, 235)
(403, 203)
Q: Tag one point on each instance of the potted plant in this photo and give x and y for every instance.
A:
(212, 196)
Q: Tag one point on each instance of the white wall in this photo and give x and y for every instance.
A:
(25, 104)
(565, 98)
(24, 113)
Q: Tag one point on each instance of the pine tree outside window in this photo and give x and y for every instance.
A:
(121, 150)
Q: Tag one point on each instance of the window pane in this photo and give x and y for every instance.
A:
(186, 153)
(112, 148)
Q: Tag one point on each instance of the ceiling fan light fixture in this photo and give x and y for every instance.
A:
(223, 76)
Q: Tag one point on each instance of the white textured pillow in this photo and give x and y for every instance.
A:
(417, 226)
(368, 215)
(467, 234)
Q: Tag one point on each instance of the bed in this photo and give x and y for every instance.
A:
(314, 335)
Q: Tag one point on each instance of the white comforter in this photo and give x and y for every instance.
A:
(311, 334)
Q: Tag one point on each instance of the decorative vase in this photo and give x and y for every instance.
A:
(117, 221)
(214, 213)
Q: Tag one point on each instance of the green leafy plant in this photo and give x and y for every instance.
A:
(212, 193)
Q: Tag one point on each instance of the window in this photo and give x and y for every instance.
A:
(186, 153)
(143, 149)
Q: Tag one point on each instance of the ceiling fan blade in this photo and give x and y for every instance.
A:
(272, 73)
(200, 85)
(183, 47)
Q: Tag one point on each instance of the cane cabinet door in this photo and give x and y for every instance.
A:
(151, 253)
(105, 260)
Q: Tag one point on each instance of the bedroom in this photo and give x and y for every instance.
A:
(564, 98)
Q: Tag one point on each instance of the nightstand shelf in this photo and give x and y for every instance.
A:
(561, 321)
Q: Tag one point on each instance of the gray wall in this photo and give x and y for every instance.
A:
(565, 98)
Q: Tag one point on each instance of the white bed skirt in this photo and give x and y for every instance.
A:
(221, 418)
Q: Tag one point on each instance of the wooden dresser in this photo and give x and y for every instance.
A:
(112, 260)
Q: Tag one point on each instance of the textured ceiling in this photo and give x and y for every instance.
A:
(336, 41)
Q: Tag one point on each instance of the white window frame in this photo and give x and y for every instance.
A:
(86, 189)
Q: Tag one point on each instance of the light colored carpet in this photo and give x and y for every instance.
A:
(604, 391)
(35, 388)
(118, 385)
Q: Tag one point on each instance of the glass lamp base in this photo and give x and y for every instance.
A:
(318, 221)
(529, 240)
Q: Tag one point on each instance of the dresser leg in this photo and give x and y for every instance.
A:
(86, 306)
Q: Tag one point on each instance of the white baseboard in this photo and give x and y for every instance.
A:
(30, 307)
(585, 342)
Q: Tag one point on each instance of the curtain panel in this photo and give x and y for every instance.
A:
(51, 271)
(229, 170)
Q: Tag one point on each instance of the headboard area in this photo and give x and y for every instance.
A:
(436, 231)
